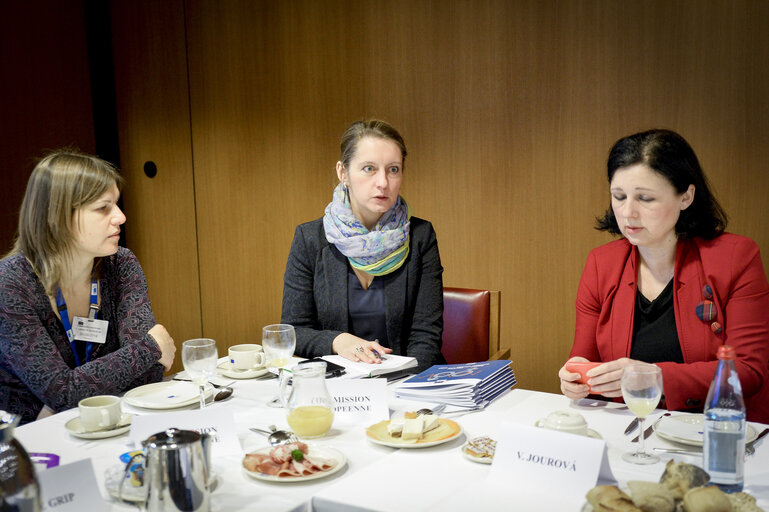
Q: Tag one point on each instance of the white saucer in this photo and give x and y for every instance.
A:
(131, 494)
(227, 370)
(76, 429)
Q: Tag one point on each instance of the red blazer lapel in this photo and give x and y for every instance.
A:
(624, 308)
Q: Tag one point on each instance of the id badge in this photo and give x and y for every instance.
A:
(86, 329)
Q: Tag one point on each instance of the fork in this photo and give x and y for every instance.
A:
(436, 410)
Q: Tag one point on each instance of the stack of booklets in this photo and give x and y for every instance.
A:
(471, 385)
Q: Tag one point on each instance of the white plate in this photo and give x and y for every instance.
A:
(320, 451)
(227, 370)
(165, 395)
(74, 427)
(420, 444)
(687, 429)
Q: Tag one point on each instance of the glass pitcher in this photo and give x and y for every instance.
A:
(310, 409)
(19, 491)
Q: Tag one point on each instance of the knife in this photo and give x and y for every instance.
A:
(695, 453)
(633, 425)
(650, 429)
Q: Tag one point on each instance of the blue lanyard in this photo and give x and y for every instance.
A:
(92, 310)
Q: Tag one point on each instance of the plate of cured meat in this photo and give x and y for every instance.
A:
(293, 462)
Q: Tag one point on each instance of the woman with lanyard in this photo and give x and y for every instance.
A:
(75, 318)
(365, 279)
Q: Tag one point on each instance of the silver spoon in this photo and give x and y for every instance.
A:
(276, 437)
(223, 393)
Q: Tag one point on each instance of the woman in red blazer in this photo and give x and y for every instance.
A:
(674, 288)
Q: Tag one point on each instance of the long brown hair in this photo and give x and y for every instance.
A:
(61, 182)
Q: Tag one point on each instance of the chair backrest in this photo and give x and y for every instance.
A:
(470, 325)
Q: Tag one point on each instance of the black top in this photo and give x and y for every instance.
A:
(367, 309)
(655, 338)
(315, 297)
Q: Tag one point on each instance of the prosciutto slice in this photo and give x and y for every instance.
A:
(280, 462)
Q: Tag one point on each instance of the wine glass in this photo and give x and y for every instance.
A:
(199, 357)
(278, 342)
(641, 389)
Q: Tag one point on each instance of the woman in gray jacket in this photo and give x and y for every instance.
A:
(365, 279)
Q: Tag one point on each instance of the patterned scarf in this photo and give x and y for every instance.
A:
(376, 252)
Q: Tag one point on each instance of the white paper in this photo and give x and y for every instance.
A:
(358, 402)
(357, 369)
(71, 488)
(216, 422)
(530, 462)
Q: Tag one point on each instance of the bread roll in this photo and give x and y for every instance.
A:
(651, 496)
(707, 499)
(608, 498)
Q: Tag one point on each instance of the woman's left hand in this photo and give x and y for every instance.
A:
(357, 349)
(606, 379)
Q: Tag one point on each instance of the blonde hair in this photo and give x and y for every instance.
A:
(61, 182)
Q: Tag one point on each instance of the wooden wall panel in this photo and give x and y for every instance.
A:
(45, 100)
(154, 125)
(508, 109)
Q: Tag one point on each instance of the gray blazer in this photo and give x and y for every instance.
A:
(315, 295)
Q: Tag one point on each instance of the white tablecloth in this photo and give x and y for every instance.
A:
(376, 477)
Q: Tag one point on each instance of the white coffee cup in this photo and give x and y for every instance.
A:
(564, 421)
(246, 357)
(99, 412)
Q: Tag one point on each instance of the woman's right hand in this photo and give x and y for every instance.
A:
(569, 386)
(357, 349)
(166, 344)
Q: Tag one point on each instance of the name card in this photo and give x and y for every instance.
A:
(217, 423)
(358, 402)
(530, 462)
(71, 488)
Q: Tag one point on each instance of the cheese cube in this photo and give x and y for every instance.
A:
(412, 429)
(430, 422)
(395, 427)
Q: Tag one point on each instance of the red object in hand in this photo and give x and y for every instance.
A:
(582, 368)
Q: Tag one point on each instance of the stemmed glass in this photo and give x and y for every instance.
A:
(199, 357)
(279, 343)
(641, 389)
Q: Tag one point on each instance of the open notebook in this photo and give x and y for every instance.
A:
(356, 369)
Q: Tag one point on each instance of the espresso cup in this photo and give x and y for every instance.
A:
(99, 412)
(564, 421)
(246, 357)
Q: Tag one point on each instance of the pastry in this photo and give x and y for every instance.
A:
(651, 496)
(481, 447)
(679, 477)
(706, 499)
(608, 498)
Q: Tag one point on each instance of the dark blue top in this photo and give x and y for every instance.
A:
(367, 309)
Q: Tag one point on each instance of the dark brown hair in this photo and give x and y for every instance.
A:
(669, 155)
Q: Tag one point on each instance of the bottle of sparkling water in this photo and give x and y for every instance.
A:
(724, 446)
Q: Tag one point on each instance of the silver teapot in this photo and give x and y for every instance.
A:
(176, 472)
(19, 491)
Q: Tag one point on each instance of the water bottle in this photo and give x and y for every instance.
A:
(724, 446)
